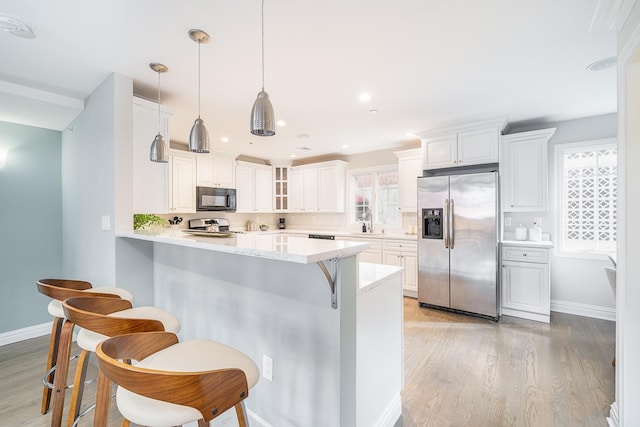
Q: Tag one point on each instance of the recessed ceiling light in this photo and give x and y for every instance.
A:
(602, 64)
(373, 111)
(281, 123)
(303, 136)
(303, 148)
(224, 139)
(365, 97)
(292, 156)
(410, 135)
(345, 146)
(16, 27)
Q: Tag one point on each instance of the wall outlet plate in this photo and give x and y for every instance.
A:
(507, 221)
(267, 367)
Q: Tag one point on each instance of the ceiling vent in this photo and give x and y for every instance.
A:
(602, 64)
(16, 27)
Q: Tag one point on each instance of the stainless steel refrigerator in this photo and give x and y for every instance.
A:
(458, 241)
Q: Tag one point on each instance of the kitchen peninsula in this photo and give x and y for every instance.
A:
(330, 326)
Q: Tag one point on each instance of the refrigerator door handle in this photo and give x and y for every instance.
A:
(445, 223)
(451, 234)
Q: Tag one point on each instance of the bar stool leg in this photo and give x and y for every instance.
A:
(60, 379)
(103, 397)
(242, 415)
(51, 362)
(78, 387)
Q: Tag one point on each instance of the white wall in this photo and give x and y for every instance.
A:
(30, 223)
(626, 411)
(578, 286)
(89, 177)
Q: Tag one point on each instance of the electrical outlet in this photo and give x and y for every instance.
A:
(267, 367)
(507, 221)
(538, 221)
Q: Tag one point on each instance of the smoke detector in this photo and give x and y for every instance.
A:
(16, 27)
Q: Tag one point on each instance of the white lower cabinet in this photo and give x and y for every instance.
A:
(403, 253)
(526, 289)
(182, 175)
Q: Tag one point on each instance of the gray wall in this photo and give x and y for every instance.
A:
(30, 222)
(88, 185)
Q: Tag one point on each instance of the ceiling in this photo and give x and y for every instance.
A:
(425, 63)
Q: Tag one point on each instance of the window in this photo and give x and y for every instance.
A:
(375, 196)
(588, 196)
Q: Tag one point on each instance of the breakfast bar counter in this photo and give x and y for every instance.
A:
(325, 330)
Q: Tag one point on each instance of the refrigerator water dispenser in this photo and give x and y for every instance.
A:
(432, 223)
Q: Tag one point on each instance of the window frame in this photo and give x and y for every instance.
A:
(559, 151)
(392, 167)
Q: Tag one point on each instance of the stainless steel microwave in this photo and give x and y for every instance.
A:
(215, 199)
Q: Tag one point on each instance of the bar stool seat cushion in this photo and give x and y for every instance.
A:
(188, 356)
(55, 306)
(89, 340)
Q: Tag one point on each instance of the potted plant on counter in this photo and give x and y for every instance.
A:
(148, 223)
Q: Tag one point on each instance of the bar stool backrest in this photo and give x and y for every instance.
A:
(61, 289)
(92, 313)
(210, 392)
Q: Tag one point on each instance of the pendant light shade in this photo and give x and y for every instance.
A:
(158, 146)
(199, 136)
(262, 121)
(262, 116)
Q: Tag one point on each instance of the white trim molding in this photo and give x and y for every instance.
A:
(610, 14)
(18, 335)
(612, 419)
(391, 413)
(586, 310)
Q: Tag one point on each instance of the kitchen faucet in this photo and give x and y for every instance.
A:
(368, 218)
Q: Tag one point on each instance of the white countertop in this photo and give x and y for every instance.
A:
(344, 234)
(529, 243)
(298, 249)
(371, 275)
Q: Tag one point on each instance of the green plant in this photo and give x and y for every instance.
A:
(147, 220)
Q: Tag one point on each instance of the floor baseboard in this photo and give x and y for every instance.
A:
(586, 310)
(25, 333)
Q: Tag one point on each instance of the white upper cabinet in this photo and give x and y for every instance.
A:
(409, 169)
(216, 169)
(254, 188)
(318, 187)
(150, 179)
(471, 144)
(182, 167)
(281, 179)
(525, 172)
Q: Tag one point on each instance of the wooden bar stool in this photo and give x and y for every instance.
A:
(174, 382)
(100, 318)
(58, 290)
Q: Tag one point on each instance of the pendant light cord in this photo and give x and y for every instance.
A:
(263, 45)
(199, 43)
(159, 121)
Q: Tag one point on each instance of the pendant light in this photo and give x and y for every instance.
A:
(262, 117)
(199, 137)
(158, 146)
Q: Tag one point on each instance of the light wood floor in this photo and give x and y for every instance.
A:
(459, 371)
(463, 371)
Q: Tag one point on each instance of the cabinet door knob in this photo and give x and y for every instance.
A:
(524, 254)
(504, 266)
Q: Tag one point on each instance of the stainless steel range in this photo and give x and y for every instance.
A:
(211, 225)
